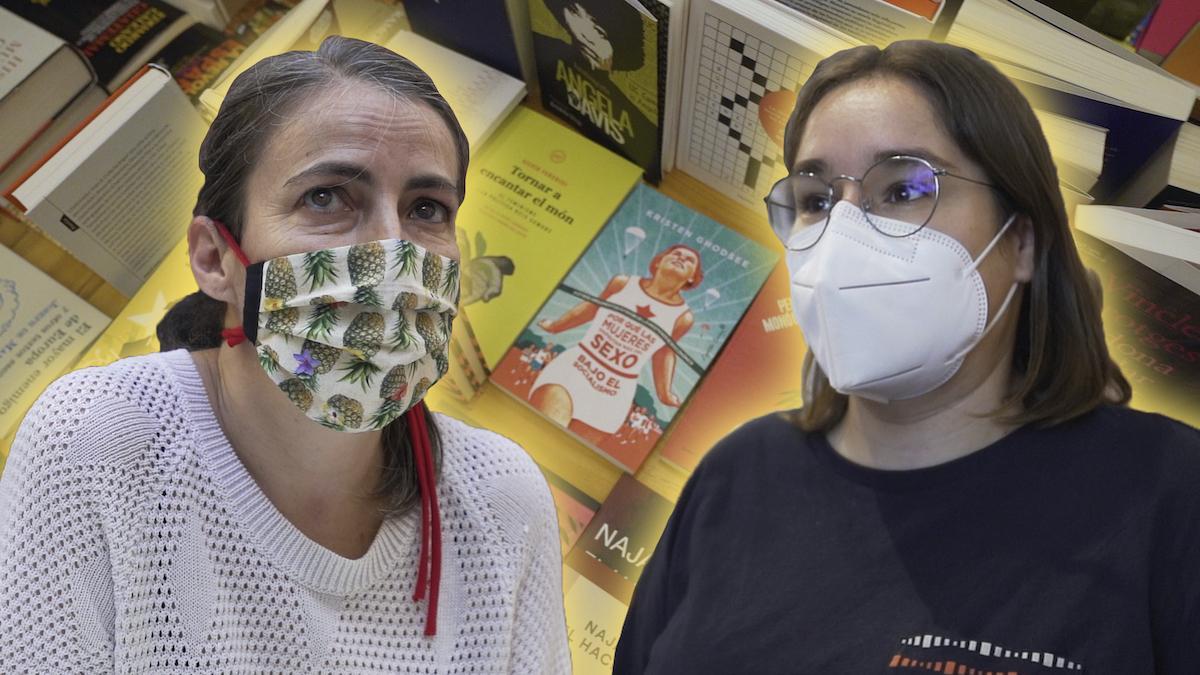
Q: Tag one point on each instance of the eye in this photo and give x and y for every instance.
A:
(903, 192)
(430, 211)
(813, 203)
(324, 199)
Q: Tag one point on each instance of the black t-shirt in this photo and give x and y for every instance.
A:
(1074, 548)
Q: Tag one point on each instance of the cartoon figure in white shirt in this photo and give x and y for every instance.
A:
(589, 387)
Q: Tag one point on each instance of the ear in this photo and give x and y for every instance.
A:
(1026, 249)
(211, 262)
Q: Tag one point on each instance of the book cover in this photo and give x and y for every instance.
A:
(537, 193)
(597, 66)
(198, 56)
(618, 542)
(119, 193)
(110, 33)
(40, 75)
(594, 622)
(479, 30)
(745, 63)
(575, 509)
(758, 372)
(1134, 134)
(622, 341)
(1152, 327)
(881, 22)
(133, 331)
(480, 95)
(43, 327)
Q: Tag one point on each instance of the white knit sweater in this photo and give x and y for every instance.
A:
(132, 539)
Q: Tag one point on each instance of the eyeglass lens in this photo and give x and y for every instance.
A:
(901, 190)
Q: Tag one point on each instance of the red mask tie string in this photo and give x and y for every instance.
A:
(236, 335)
(233, 336)
(431, 526)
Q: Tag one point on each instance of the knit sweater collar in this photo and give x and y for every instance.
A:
(301, 558)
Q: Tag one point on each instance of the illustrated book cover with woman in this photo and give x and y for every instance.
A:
(617, 348)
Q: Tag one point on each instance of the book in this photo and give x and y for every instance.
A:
(1171, 178)
(133, 331)
(672, 18)
(119, 192)
(758, 372)
(213, 13)
(1031, 35)
(881, 22)
(1077, 148)
(480, 95)
(1170, 22)
(594, 622)
(537, 193)
(1184, 60)
(302, 26)
(467, 374)
(618, 541)
(1134, 133)
(118, 37)
(1149, 266)
(40, 74)
(598, 69)
(575, 509)
(620, 344)
(745, 63)
(43, 328)
(197, 57)
(482, 31)
(52, 133)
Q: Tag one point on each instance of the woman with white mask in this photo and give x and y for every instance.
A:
(964, 490)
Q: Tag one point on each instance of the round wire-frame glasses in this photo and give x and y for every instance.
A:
(903, 189)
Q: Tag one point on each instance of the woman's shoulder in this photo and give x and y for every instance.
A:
(102, 413)
(1146, 439)
(499, 470)
(757, 444)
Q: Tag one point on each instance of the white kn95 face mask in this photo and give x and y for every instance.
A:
(889, 318)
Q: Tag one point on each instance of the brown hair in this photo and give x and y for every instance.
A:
(276, 87)
(1060, 361)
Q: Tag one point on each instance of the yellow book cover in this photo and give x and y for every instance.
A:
(537, 194)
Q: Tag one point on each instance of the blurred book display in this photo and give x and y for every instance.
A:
(43, 327)
(119, 193)
(40, 74)
(117, 36)
(556, 213)
(1149, 264)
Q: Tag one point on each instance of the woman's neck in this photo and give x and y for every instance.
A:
(320, 479)
(938, 427)
(663, 290)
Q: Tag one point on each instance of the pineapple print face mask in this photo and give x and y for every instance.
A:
(355, 335)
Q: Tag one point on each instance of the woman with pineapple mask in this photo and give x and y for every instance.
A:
(964, 489)
(276, 496)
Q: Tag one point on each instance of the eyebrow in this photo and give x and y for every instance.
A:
(351, 172)
(820, 167)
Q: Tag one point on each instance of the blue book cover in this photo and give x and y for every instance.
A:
(626, 336)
